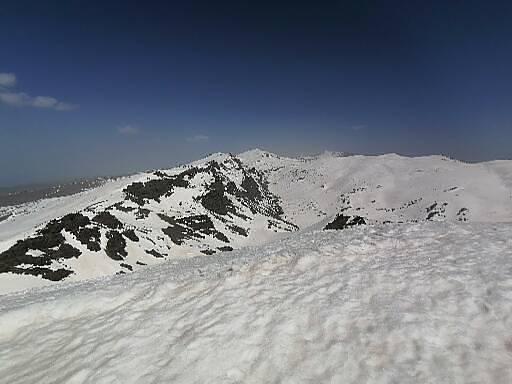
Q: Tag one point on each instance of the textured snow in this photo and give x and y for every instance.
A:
(416, 303)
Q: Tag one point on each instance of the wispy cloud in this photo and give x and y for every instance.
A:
(7, 80)
(358, 127)
(197, 138)
(21, 99)
(128, 130)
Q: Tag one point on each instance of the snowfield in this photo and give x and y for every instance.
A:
(410, 303)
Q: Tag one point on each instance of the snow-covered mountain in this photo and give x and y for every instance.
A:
(387, 188)
(419, 295)
(225, 202)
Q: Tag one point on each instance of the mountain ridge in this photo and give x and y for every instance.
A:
(226, 201)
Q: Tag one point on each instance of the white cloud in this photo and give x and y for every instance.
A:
(128, 130)
(7, 80)
(44, 102)
(197, 138)
(358, 127)
(21, 99)
(51, 102)
(13, 99)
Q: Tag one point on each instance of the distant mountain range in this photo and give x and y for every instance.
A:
(27, 193)
(226, 201)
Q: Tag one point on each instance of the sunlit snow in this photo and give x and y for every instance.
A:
(417, 303)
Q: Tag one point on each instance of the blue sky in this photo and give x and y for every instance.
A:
(108, 87)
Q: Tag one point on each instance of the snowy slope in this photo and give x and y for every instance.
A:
(387, 188)
(226, 202)
(209, 206)
(410, 303)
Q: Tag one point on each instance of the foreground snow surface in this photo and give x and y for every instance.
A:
(410, 304)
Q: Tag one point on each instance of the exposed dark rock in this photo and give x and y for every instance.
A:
(127, 266)
(220, 194)
(44, 242)
(120, 207)
(436, 210)
(341, 222)
(201, 223)
(116, 246)
(140, 192)
(140, 263)
(65, 251)
(160, 174)
(89, 237)
(255, 195)
(4, 217)
(71, 222)
(208, 251)
(177, 232)
(45, 273)
(215, 199)
(461, 214)
(50, 242)
(17, 255)
(226, 248)
(238, 230)
(251, 187)
(190, 227)
(130, 234)
(108, 220)
(253, 192)
(222, 237)
(154, 253)
(142, 213)
(151, 190)
(177, 235)
(432, 207)
(76, 224)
